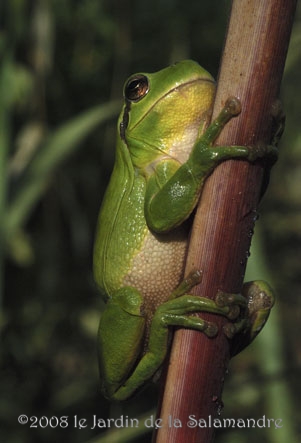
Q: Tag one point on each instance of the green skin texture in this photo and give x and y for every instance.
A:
(150, 195)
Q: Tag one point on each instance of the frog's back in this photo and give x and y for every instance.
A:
(121, 227)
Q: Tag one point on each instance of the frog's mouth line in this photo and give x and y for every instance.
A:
(125, 118)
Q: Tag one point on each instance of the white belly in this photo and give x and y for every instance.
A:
(158, 269)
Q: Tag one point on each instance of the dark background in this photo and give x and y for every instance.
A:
(63, 64)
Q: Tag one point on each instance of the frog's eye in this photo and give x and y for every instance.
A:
(136, 88)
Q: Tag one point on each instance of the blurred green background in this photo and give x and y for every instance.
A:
(63, 64)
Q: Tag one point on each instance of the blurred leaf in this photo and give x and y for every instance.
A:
(58, 146)
(20, 248)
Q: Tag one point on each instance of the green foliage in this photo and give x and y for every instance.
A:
(62, 67)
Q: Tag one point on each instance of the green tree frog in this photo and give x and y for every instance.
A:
(164, 154)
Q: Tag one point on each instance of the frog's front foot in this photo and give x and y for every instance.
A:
(268, 152)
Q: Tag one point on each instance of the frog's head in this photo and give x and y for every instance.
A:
(164, 112)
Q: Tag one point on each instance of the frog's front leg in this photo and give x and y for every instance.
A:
(120, 347)
(172, 191)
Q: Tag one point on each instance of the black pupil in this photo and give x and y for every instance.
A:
(136, 88)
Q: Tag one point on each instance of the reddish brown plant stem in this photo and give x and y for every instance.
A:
(251, 70)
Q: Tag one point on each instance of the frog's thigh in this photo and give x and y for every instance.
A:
(121, 331)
